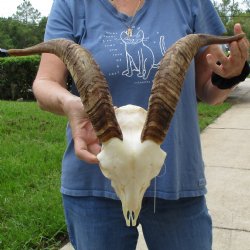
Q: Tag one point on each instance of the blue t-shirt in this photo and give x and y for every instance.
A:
(129, 64)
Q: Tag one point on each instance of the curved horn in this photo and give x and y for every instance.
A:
(168, 82)
(90, 82)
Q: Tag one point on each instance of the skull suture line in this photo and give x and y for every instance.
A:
(131, 139)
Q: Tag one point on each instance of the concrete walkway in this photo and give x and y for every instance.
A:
(226, 152)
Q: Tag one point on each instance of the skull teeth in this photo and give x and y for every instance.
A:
(131, 220)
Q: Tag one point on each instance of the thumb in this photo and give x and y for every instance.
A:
(237, 29)
(81, 151)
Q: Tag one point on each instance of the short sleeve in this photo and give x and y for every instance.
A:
(64, 20)
(206, 18)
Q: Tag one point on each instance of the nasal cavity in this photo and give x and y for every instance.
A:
(131, 217)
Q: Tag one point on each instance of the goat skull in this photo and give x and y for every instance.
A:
(131, 139)
(129, 163)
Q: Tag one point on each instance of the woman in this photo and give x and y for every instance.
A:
(127, 38)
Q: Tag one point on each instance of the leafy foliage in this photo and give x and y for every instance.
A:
(26, 13)
(18, 35)
(16, 77)
(227, 9)
(15, 34)
(231, 12)
(25, 28)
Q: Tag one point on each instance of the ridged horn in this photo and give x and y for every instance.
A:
(169, 79)
(90, 82)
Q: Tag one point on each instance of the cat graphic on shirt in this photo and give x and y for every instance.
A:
(140, 58)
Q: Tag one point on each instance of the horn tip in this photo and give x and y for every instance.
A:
(4, 53)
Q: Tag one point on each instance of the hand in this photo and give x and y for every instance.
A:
(232, 65)
(85, 141)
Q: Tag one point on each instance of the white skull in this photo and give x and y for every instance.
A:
(131, 164)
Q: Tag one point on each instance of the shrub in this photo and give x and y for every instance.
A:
(16, 77)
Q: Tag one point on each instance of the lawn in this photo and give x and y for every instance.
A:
(31, 147)
(208, 113)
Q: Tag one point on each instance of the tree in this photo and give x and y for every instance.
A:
(231, 13)
(26, 13)
(15, 34)
(227, 9)
(41, 29)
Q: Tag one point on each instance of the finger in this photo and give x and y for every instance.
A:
(235, 52)
(94, 148)
(219, 55)
(82, 152)
(223, 59)
(88, 157)
(212, 62)
(243, 47)
(243, 43)
(237, 29)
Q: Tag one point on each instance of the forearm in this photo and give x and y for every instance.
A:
(52, 97)
(213, 95)
(49, 87)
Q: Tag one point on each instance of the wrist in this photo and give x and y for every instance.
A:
(71, 105)
(228, 83)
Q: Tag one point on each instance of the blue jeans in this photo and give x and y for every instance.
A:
(96, 223)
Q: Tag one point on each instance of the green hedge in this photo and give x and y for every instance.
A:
(16, 77)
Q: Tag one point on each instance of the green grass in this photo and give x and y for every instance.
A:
(208, 113)
(31, 147)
